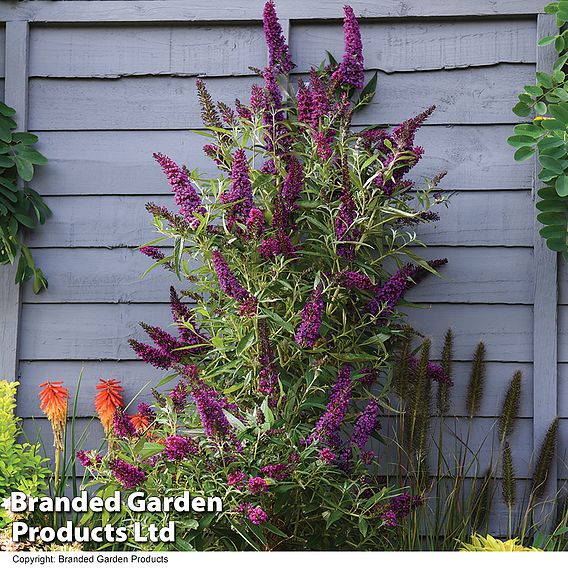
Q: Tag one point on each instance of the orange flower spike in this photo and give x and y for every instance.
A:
(140, 422)
(53, 402)
(108, 399)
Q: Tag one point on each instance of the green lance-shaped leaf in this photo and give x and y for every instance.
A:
(510, 409)
(476, 381)
(544, 461)
(509, 479)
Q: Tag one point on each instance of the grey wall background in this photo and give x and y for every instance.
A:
(108, 83)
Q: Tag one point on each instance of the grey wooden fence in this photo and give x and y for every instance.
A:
(106, 83)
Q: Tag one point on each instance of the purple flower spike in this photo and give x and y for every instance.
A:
(365, 425)
(213, 418)
(122, 425)
(257, 485)
(308, 332)
(127, 474)
(279, 55)
(179, 396)
(151, 355)
(328, 426)
(239, 195)
(185, 195)
(227, 280)
(257, 516)
(350, 70)
(178, 448)
(153, 253)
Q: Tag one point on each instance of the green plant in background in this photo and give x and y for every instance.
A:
(22, 468)
(444, 465)
(21, 208)
(296, 258)
(547, 134)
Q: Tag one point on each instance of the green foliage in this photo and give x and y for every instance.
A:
(458, 484)
(546, 136)
(315, 507)
(21, 465)
(21, 208)
(475, 387)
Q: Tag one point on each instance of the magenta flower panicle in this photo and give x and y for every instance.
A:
(128, 475)
(185, 195)
(308, 331)
(350, 70)
(279, 55)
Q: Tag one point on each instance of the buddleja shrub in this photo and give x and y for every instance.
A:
(296, 258)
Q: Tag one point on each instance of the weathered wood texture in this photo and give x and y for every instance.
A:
(478, 95)
(475, 157)
(546, 327)
(238, 10)
(112, 82)
(15, 96)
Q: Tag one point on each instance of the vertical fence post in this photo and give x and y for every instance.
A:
(545, 375)
(16, 91)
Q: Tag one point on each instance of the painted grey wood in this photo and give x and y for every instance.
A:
(85, 331)
(506, 329)
(102, 51)
(134, 374)
(562, 334)
(17, 34)
(462, 439)
(493, 218)
(422, 45)
(546, 336)
(478, 275)
(101, 331)
(101, 275)
(2, 49)
(475, 157)
(236, 10)
(483, 95)
(473, 275)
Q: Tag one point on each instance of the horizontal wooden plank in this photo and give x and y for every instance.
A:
(101, 331)
(483, 218)
(475, 157)
(473, 443)
(133, 376)
(478, 275)
(235, 10)
(98, 51)
(473, 275)
(483, 95)
(100, 275)
(506, 330)
(421, 45)
(103, 51)
(494, 218)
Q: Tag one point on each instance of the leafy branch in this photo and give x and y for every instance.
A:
(21, 207)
